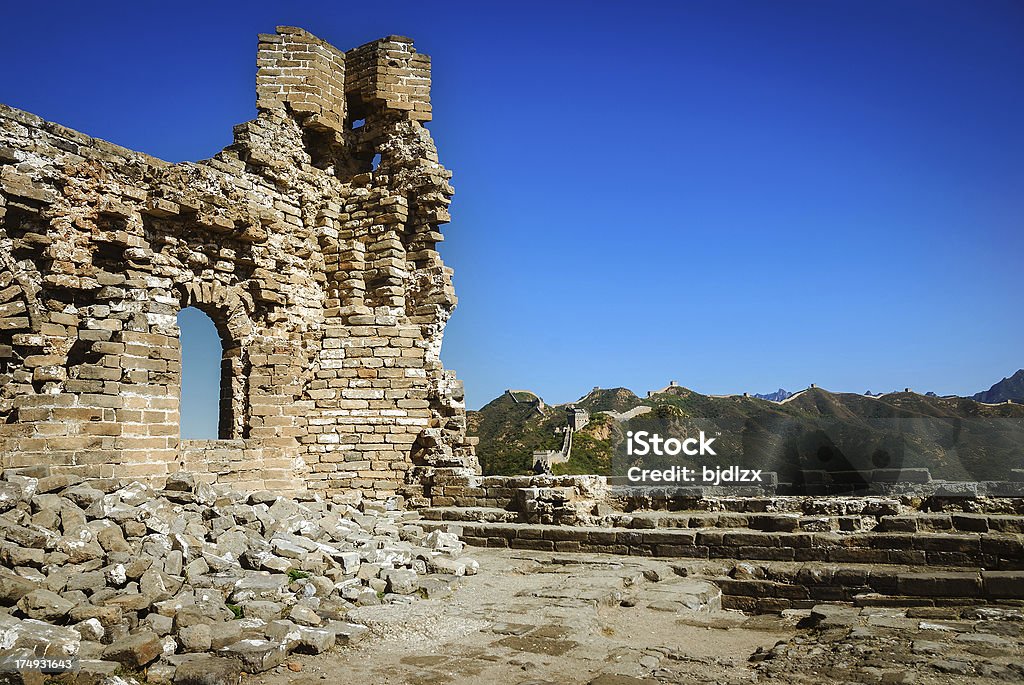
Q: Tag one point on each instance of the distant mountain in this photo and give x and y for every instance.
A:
(776, 396)
(1011, 388)
(956, 438)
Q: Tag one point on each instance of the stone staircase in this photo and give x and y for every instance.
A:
(776, 553)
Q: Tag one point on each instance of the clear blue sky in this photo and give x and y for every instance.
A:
(735, 195)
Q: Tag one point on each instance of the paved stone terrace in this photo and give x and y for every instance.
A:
(540, 618)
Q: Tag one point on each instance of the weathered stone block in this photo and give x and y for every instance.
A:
(256, 656)
(44, 605)
(134, 651)
(940, 584)
(208, 670)
(1003, 584)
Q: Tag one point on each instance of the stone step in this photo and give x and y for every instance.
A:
(967, 550)
(926, 522)
(870, 586)
(506, 492)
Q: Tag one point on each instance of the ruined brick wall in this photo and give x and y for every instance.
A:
(319, 269)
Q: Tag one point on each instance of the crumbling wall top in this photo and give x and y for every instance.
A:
(328, 88)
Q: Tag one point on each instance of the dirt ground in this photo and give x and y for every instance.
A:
(528, 618)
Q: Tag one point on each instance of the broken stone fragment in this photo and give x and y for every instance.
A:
(112, 539)
(228, 633)
(259, 587)
(96, 670)
(180, 482)
(287, 549)
(433, 588)
(347, 633)
(71, 516)
(48, 518)
(262, 497)
(196, 568)
(350, 561)
(283, 631)
(90, 629)
(13, 556)
(88, 582)
(208, 670)
(315, 640)
(196, 638)
(42, 638)
(256, 656)
(262, 609)
(446, 565)
(173, 564)
(159, 624)
(304, 616)
(135, 651)
(400, 581)
(79, 543)
(834, 615)
(190, 615)
(160, 674)
(44, 606)
(52, 483)
(442, 542)
(28, 536)
(108, 616)
(158, 586)
(220, 563)
(82, 495)
(367, 571)
(10, 495)
(13, 587)
(115, 575)
(129, 601)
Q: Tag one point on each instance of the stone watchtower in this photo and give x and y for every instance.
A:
(310, 242)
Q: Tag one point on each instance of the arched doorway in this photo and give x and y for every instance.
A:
(206, 394)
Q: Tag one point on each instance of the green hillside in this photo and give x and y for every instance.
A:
(956, 438)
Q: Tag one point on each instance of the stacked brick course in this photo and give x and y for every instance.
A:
(318, 267)
(389, 73)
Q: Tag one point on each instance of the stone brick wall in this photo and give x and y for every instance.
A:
(319, 271)
(389, 73)
(245, 465)
(302, 73)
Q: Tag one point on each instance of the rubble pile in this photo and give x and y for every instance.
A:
(196, 584)
(898, 645)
